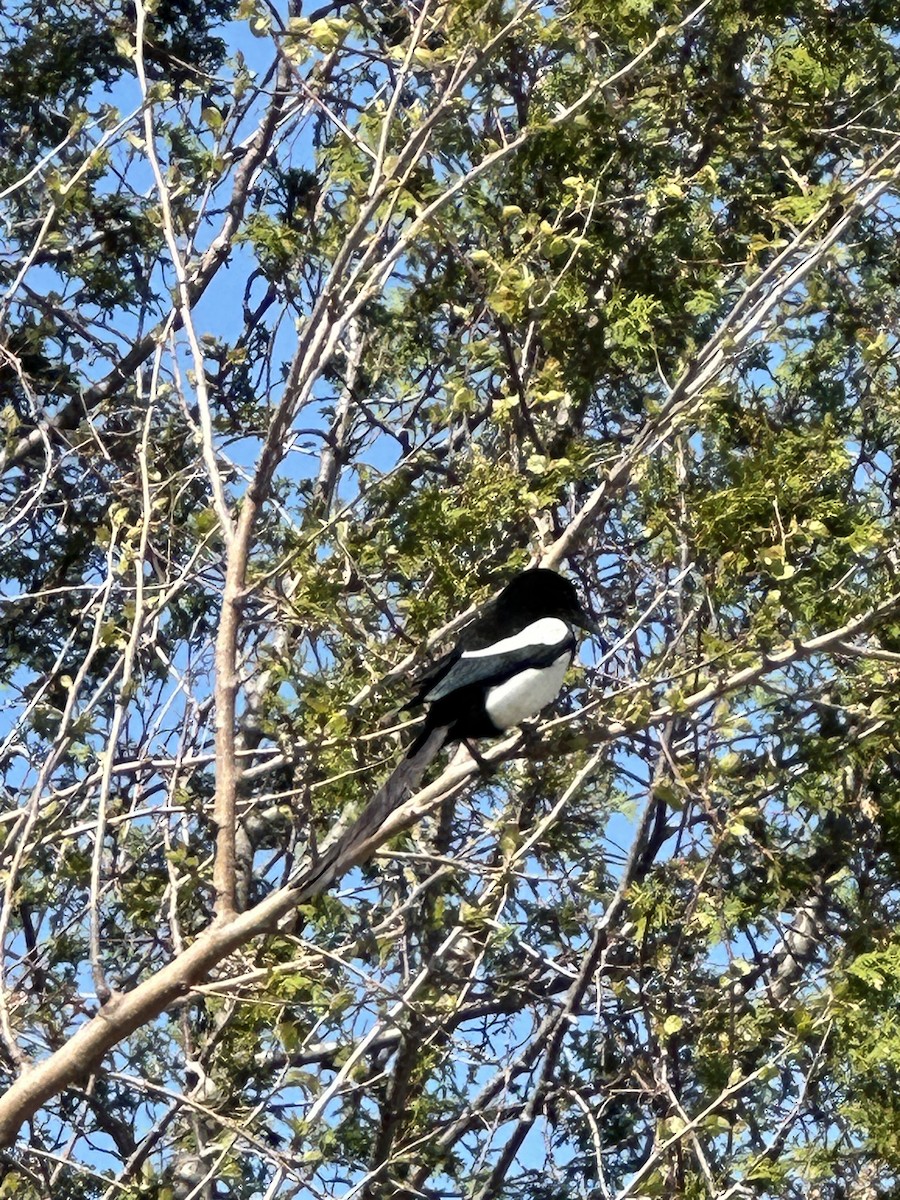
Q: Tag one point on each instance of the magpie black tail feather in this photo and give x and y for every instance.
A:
(351, 846)
(426, 736)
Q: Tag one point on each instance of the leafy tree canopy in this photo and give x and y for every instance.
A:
(315, 326)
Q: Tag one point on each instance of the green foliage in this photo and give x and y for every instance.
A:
(868, 1033)
(473, 354)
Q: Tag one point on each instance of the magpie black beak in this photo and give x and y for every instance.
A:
(583, 621)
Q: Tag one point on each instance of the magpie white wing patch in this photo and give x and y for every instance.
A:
(548, 631)
(535, 648)
(526, 693)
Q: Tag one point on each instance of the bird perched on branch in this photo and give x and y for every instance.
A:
(508, 664)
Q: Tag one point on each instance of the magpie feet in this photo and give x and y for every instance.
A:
(485, 766)
(531, 740)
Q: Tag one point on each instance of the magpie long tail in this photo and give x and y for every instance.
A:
(355, 844)
(422, 739)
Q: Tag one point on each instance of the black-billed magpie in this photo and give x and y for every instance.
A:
(508, 664)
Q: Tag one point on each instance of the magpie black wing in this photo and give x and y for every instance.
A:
(489, 669)
(476, 634)
(432, 677)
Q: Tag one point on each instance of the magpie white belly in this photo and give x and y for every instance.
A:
(527, 693)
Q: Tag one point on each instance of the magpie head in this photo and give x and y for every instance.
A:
(541, 593)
